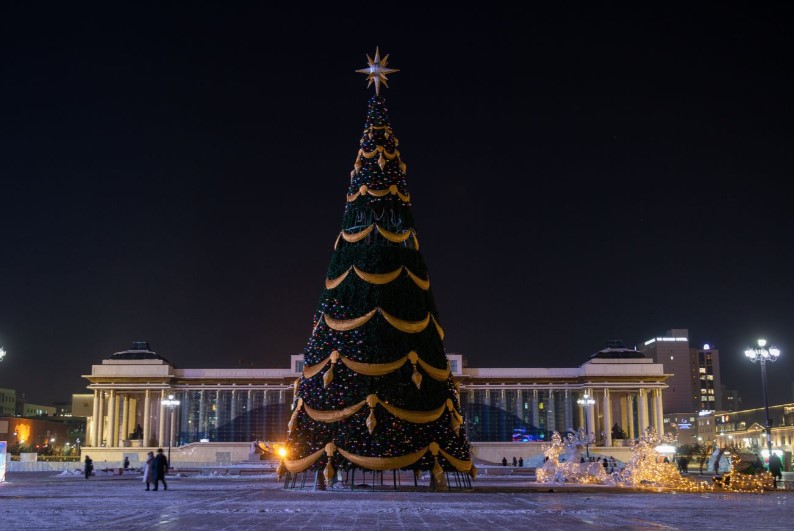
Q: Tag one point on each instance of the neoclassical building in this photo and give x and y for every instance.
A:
(221, 411)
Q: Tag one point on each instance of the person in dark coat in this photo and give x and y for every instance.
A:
(775, 467)
(160, 468)
(89, 466)
(515, 461)
(504, 461)
(520, 461)
(126, 464)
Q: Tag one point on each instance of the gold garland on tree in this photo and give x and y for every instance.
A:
(353, 237)
(410, 327)
(376, 369)
(378, 278)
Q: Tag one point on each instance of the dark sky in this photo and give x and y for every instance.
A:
(578, 174)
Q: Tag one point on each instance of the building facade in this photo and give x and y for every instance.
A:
(500, 405)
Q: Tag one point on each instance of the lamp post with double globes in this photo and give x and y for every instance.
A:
(586, 402)
(762, 354)
(171, 403)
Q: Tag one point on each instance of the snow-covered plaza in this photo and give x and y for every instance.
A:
(45, 500)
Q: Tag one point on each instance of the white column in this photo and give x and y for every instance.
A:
(551, 425)
(233, 406)
(591, 424)
(568, 413)
(92, 440)
(171, 419)
(630, 426)
(581, 416)
(659, 412)
(607, 415)
(133, 416)
(202, 419)
(147, 418)
(125, 417)
(112, 426)
(624, 417)
(642, 412)
(535, 410)
(161, 424)
(519, 406)
(652, 406)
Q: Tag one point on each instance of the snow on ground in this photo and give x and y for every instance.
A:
(53, 501)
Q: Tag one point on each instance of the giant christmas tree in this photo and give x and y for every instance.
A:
(376, 391)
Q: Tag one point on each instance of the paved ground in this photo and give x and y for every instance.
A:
(46, 501)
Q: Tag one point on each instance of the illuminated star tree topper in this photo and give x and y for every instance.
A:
(377, 71)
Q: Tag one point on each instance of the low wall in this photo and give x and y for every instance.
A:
(210, 453)
(43, 466)
(220, 454)
(532, 452)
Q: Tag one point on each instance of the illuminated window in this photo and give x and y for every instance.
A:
(702, 370)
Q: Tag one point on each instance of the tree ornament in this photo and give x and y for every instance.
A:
(377, 71)
(381, 161)
(416, 378)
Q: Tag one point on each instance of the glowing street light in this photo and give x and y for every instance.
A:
(171, 403)
(2, 353)
(586, 402)
(762, 354)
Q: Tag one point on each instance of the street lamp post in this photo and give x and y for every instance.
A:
(586, 401)
(171, 403)
(762, 354)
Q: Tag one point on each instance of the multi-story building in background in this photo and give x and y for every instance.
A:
(706, 382)
(731, 401)
(26, 409)
(695, 384)
(8, 402)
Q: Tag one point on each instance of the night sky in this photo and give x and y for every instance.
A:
(178, 175)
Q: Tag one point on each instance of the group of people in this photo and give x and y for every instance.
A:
(516, 462)
(153, 471)
(610, 464)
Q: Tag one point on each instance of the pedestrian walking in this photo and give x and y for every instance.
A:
(521, 462)
(515, 461)
(775, 467)
(504, 461)
(148, 469)
(126, 462)
(160, 468)
(89, 466)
